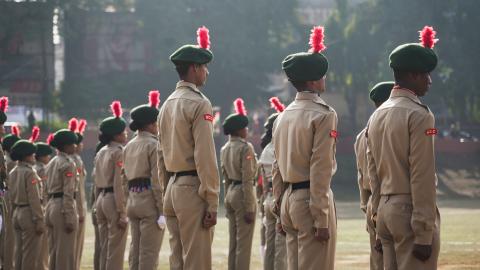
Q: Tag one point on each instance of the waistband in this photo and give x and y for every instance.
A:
(236, 182)
(59, 195)
(21, 205)
(139, 183)
(396, 198)
(186, 173)
(301, 185)
(106, 190)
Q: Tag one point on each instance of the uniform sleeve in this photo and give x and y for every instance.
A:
(422, 177)
(373, 178)
(248, 170)
(3, 170)
(33, 196)
(67, 173)
(278, 187)
(81, 189)
(205, 156)
(364, 194)
(322, 163)
(163, 174)
(119, 179)
(157, 187)
(226, 180)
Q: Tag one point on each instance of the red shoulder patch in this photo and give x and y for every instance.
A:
(34, 181)
(249, 157)
(208, 117)
(120, 164)
(333, 133)
(431, 132)
(69, 174)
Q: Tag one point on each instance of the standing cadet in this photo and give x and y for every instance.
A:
(144, 205)
(42, 157)
(187, 151)
(28, 214)
(61, 214)
(401, 162)
(79, 128)
(239, 167)
(3, 185)
(9, 252)
(378, 94)
(93, 198)
(276, 249)
(304, 137)
(111, 204)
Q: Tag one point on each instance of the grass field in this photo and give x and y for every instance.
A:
(460, 239)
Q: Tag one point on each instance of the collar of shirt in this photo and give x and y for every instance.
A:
(24, 164)
(39, 164)
(63, 154)
(404, 92)
(189, 85)
(114, 143)
(236, 138)
(310, 96)
(145, 134)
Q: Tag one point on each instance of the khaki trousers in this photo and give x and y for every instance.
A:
(3, 236)
(241, 233)
(79, 244)
(376, 258)
(113, 239)
(8, 235)
(184, 209)
(276, 248)
(97, 246)
(44, 251)
(61, 244)
(27, 241)
(393, 227)
(146, 235)
(303, 251)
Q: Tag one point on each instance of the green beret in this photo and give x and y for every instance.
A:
(113, 125)
(234, 122)
(63, 137)
(79, 138)
(191, 54)
(143, 115)
(8, 141)
(3, 117)
(43, 149)
(381, 92)
(21, 149)
(413, 57)
(305, 66)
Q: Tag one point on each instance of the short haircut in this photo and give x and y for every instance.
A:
(300, 86)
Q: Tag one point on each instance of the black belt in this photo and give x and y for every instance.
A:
(301, 185)
(106, 190)
(21, 205)
(187, 173)
(55, 195)
(236, 182)
(139, 183)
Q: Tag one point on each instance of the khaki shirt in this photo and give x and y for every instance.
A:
(3, 171)
(80, 191)
(266, 163)
(401, 157)
(41, 170)
(108, 173)
(24, 190)
(239, 162)
(304, 137)
(186, 140)
(140, 161)
(61, 174)
(362, 169)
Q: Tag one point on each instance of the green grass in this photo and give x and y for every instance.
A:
(460, 239)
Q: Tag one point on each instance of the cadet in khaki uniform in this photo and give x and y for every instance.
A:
(378, 94)
(304, 138)
(239, 166)
(93, 198)
(42, 157)
(61, 214)
(3, 185)
(186, 152)
(401, 161)
(276, 247)
(9, 252)
(144, 205)
(79, 127)
(111, 202)
(28, 214)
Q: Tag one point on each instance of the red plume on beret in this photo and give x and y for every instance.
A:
(16, 130)
(116, 107)
(154, 98)
(277, 104)
(35, 134)
(316, 39)
(427, 37)
(82, 124)
(240, 106)
(50, 138)
(73, 124)
(203, 38)
(4, 104)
